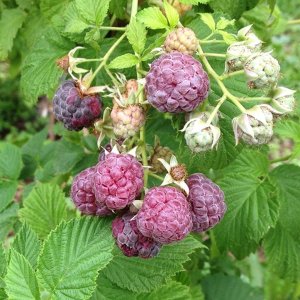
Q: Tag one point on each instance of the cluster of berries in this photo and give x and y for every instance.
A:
(165, 215)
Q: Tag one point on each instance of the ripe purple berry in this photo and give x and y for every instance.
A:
(130, 240)
(165, 215)
(83, 196)
(176, 83)
(118, 180)
(73, 109)
(207, 202)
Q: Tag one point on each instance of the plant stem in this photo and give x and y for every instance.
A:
(280, 159)
(212, 41)
(112, 28)
(106, 57)
(209, 36)
(113, 79)
(294, 22)
(155, 176)
(264, 99)
(212, 72)
(144, 153)
(214, 55)
(216, 109)
(228, 75)
(134, 8)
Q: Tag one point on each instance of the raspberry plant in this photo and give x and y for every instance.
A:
(158, 180)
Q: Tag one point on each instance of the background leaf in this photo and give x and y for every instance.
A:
(44, 209)
(153, 18)
(72, 256)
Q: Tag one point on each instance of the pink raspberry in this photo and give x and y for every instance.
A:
(176, 83)
(73, 109)
(130, 240)
(118, 180)
(165, 215)
(207, 202)
(83, 196)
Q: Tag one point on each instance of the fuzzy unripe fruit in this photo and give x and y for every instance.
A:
(73, 109)
(165, 215)
(201, 136)
(237, 55)
(283, 100)
(130, 240)
(262, 71)
(254, 127)
(118, 180)
(176, 83)
(207, 202)
(182, 40)
(83, 196)
(127, 120)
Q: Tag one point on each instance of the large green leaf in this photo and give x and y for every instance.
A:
(221, 287)
(27, 244)
(2, 261)
(40, 74)
(72, 256)
(20, 280)
(93, 11)
(11, 21)
(153, 18)
(136, 35)
(252, 208)
(10, 161)
(172, 291)
(7, 192)
(50, 8)
(44, 209)
(8, 218)
(142, 275)
(282, 244)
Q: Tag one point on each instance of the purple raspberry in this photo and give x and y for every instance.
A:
(83, 196)
(176, 83)
(118, 180)
(130, 240)
(207, 202)
(73, 109)
(165, 215)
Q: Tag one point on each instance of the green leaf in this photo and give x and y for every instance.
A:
(140, 275)
(227, 37)
(72, 256)
(272, 4)
(11, 21)
(74, 22)
(222, 287)
(10, 161)
(7, 192)
(27, 244)
(44, 209)
(2, 261)
(153, 18)
(118, 7)
(249, 162)
(208, 20)
(93, 11)
(172, 291)
(171, 13)
(124, 61)
(40, 75)
(224, 23)
(106, 290)
(20, 280)
(252, 208)
(136, 35)
(51, 8)
(282, 244)
(8, 218)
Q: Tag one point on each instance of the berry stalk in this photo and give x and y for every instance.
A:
(212, 72)
(216, 109)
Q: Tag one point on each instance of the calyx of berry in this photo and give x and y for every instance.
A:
(255, 125)
(283, 100)
(176, 173)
